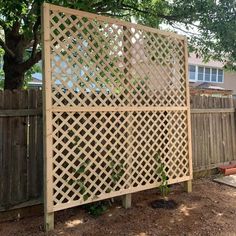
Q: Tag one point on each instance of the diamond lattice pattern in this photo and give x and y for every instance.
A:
(99, 153)
(118, 108)
(98, 63)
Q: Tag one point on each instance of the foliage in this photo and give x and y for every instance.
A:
(164, 189)
(117, 171)
(79, 171)
(1, 83)
(215, 21)
(97, 208)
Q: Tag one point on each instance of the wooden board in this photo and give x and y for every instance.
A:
(18, 183)
(213, 131)
(228, 180)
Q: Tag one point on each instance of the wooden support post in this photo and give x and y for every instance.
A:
(47, 119)
(188, 186)
(126, 201)
(49, 221)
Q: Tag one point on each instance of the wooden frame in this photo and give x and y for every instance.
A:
(116, 105)
(47, 121)
(188, 184)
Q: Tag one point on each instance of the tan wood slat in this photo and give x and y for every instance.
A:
(47, 119)
(212, 110)
(20, 112)
(118, 109)
(1, 150)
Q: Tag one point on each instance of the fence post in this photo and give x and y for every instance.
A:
(126, 199)
(47, 119)
(188, 186)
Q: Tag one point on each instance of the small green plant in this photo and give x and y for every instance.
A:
(117, 171)
(82, 167)
(164, 189)
(97, 208)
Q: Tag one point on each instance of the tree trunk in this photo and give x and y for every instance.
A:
(14, 74)
(13, 67)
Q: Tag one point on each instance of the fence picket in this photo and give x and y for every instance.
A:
(21, 178)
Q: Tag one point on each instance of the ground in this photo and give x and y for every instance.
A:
(209, 210)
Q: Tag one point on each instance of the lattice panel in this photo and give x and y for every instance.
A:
(116, 107)
(99, 63)
(97, 154)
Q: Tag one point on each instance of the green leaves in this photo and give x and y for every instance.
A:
(117, 171)
(215, 22)
(79, 179)
(82, 188)
(76, 140)
(97, 208)
(81, 169)
(164, 189)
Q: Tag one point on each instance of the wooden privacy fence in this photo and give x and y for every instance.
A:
(21, 161)
(116, 107)
(20, 148)
(213, 131)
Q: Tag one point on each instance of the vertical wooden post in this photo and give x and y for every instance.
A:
(47, 119)
(126, 199)
(48, 221)
(233, 122)
(188, 184)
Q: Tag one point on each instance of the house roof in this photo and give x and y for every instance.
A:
(207, 85)
(195, 60)
(209, 90)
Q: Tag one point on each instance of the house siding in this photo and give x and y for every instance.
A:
(229, 82)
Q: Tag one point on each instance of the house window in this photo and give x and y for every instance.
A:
(220, 76)
(200, 76)
(192, 73)
(214, 75)
(205, 74)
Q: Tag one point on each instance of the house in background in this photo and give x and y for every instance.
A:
(210, 78)
(36, 82)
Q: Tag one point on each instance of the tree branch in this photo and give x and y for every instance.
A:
(31, 61)
(6, 49)
(185, 31)
(36, 37)
(16, 28)
(146, 11)
(3, 24)
(114, 15)
(33, 10)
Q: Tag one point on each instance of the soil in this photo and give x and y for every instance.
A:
(162, 203)
(209, 210)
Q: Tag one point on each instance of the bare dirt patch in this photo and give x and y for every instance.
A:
(209, 210)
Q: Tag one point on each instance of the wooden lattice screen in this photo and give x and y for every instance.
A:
(116, 106)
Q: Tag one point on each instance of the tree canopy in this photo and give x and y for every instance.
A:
(213, 21)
